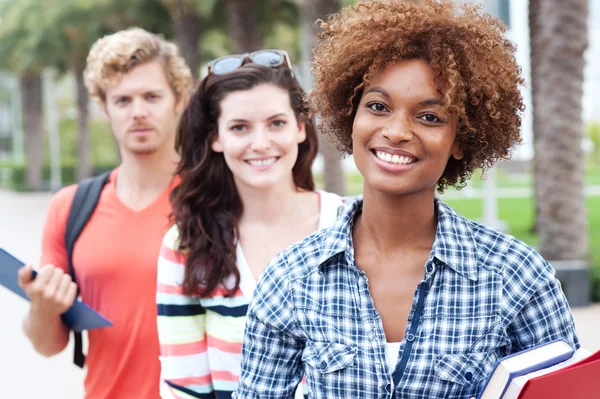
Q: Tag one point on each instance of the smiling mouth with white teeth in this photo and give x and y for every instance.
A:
(394, 159)
(262, 162)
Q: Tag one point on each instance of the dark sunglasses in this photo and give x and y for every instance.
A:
(270, 58)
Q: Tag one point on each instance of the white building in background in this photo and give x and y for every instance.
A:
(591, 88)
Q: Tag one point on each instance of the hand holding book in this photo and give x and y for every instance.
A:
(78, 317)
(551, 370)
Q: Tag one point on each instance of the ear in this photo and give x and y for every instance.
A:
(216, 145)
(457, 152)
(301, 130)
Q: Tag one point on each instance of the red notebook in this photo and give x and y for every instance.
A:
(579, 380)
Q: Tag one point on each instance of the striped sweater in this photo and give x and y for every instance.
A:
(201, 338)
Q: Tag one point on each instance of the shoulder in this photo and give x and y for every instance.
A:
(171, 237)
(169, 248)
(507, 253)
(60, 204)
(171, 262)
(64, 196)
(329, 199)
(501, 252)
(331, 207)
(305, 256)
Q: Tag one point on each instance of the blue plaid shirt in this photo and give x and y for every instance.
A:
(483, 295)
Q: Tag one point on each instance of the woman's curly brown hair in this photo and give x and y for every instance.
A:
(473, 63)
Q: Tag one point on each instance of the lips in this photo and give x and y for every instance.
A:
(140, 129)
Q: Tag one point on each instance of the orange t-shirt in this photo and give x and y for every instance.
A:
(115, 261)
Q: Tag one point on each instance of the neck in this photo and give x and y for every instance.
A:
(268, 206)
(392, 223)
(146, 172)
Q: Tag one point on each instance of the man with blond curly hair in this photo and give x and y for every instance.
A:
(141, 84)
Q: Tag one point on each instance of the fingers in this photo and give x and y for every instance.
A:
(46, 284)
(71, 293)
(67, 290)
(25, 275)
(52, 292)
(42, 278)
(53, 284)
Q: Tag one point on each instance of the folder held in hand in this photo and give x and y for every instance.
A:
(79, 317)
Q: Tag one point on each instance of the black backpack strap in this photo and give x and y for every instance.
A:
(84, 202)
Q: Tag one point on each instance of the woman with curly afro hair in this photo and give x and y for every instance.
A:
(402, 297)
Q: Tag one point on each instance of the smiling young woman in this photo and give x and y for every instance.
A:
(402, 297)
(247, 191)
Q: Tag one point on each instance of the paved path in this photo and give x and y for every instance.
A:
(25, 374)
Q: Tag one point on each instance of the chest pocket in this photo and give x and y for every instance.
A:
(327, 357)
(463, 374)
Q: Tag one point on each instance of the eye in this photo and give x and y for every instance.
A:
(376, 106)
(237, 128)
(431, 118)
(121, 100)
(152, 97)
(278, 123)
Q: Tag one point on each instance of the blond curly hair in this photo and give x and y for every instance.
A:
(118, 53)
(473, 63)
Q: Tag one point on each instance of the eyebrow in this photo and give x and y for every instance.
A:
(429, 101)
(269, 118)
(378, 90)
(277, 115)
(151, 91)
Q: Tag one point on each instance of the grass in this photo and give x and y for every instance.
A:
(504, 179)
(518, 213)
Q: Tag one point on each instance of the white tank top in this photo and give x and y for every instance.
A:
(391, 352)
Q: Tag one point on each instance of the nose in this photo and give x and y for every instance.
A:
(398, 129)
(138, 108)
(261, 140)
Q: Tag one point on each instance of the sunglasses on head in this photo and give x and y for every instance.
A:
(269, 58)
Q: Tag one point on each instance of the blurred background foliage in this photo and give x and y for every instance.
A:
(38, 36)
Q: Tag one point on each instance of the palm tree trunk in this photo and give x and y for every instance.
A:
(536, 48)
(333, 173)
(242, 24)
(187, 35)
(84, 161)
(31, 98)
(562, 215)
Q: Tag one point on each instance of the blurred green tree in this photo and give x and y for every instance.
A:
(25, 51)
(36, 34)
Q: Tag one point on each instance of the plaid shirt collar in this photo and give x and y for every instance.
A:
(454, 243)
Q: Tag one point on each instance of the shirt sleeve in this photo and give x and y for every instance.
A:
(54, 249)
(181, 323)
(545, 316)
(272, 349)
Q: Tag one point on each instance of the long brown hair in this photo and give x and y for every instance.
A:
(206, 205)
